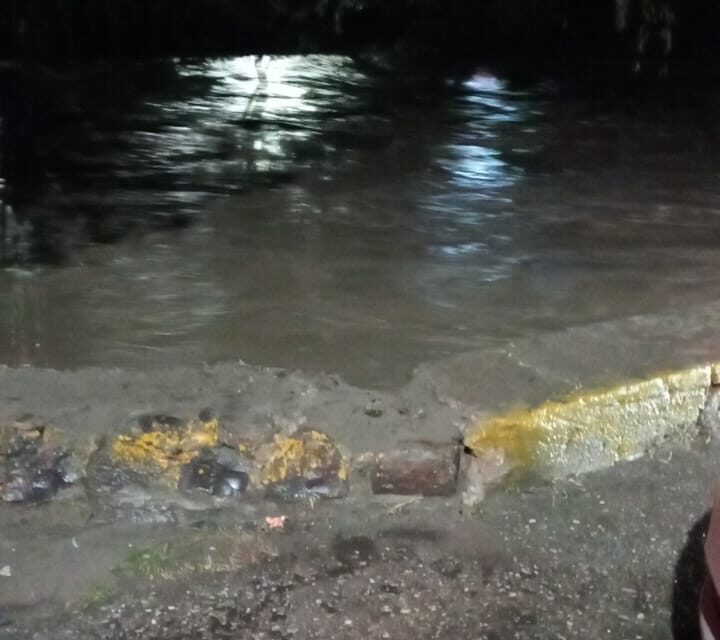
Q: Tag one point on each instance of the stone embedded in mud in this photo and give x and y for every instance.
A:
(118, 492)
(165, 444)
(70, 469)
(233, 460)
(32, 470)
(30, 485)
(230, 482)
(307, 464)
(105, 477)
(207, 472)
(198, 474)
(417, 468)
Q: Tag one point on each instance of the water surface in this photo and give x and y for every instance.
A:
(308, 212)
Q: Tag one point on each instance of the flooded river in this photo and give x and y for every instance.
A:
(309, 212)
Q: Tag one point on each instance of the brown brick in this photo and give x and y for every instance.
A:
(417, 468)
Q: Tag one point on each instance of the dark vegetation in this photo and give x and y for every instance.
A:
(560, 33)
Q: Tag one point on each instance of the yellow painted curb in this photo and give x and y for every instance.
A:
(593, 429)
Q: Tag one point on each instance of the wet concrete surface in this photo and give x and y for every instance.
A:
(606, 554)
(527, 372)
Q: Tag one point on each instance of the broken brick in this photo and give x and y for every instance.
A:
(417, 468)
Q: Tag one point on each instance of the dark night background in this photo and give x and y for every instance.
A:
(556, 34)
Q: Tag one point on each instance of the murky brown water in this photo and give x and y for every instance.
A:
(303, 212)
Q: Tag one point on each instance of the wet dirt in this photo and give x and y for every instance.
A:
(589, 557)
(612, 553)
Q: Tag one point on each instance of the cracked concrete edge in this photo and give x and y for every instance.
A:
(596, 428)
(529, 371)
(558, 431)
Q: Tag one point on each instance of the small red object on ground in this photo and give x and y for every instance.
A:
(275, 522)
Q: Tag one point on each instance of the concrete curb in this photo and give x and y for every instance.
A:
(549, 406)
(589, 430)
(581, 432)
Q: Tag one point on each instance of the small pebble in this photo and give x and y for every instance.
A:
(6, 571)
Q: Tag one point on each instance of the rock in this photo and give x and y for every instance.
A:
(417, 468)
(70, 469)
(206, 472)
(104, 476)
(233, 460)
(199, 473)
(163, 454)
(30, 483)
(30, 469)
(307, 464)
(164, 445)
(231, 482)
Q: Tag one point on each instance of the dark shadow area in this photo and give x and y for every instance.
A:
(64, 146)
(46, 29)
(92, 153)
(597, 38)
(690, 573)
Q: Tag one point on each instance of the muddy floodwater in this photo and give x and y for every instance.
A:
(317, 213)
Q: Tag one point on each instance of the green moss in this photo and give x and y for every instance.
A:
(150, 562)
(99, 594)
(189, 553)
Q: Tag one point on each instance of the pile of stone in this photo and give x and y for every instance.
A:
(32, 467)
(166, 455)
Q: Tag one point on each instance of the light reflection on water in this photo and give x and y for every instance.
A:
(301, 212)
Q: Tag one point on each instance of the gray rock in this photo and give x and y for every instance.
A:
(208, 473)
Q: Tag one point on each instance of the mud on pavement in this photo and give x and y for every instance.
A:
(245, 502)
(599, 556)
